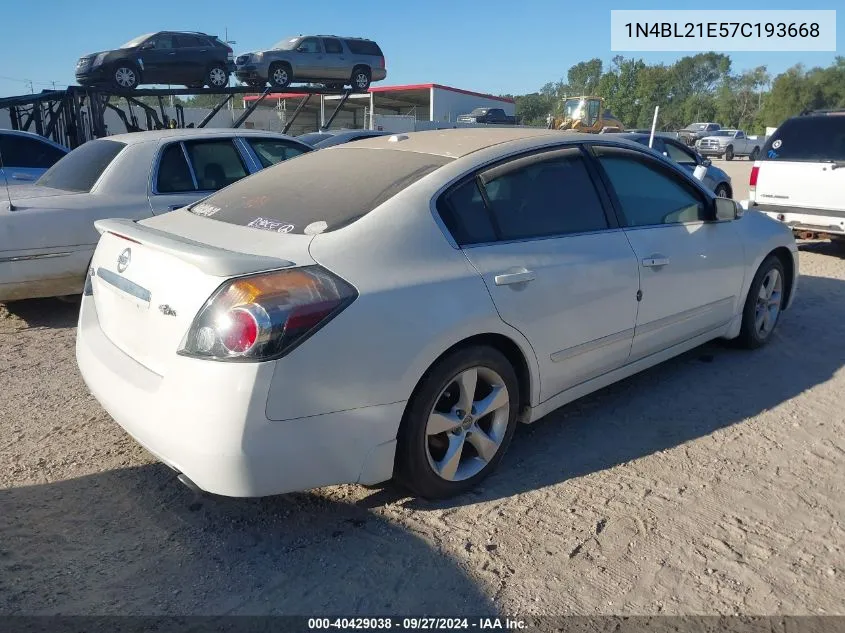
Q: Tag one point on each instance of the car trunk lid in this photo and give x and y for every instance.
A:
(149, 283)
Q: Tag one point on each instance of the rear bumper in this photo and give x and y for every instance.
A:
(378, 74)
(803, 219)
(208, 420)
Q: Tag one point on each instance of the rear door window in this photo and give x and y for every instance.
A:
(174, 175)
(210, 165)
(216, 164)
(81, 168)
(553, 196)
(336, 187)
(808, 138)
(271, 151)
(332, 46)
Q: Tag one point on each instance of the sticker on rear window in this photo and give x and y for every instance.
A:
(315, 228)
(777, 144)
(271, 225)
(204, 209)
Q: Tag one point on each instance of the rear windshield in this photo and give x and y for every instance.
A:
(363, 47)
(810, 138)
(81, 168)
(335, 187)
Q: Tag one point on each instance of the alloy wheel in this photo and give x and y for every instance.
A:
(217, 77)
(280, 76)
(124, 77)
(468, 424)
(768, 303)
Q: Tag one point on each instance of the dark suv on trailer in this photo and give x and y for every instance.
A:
(168, 57)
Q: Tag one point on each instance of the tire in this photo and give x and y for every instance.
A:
(360, 79)
(217, 76)
(281, 75)
(755, 153)
(722, 191)
(729, 152)
(125, 76)
(422, 450)
(765, 295)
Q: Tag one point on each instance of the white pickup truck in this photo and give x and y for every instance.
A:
(729, 143)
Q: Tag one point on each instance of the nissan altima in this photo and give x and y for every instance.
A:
(395, 306)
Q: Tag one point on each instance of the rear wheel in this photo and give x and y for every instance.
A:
(217, 77)
(763, 304)
(458, 424)
(125, 76)
(754, 154)
(729, 153)
(280, 75)
(360, 79)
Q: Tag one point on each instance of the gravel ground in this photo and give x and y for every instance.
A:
(709, 485)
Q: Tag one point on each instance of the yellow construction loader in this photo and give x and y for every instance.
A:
(585, 114)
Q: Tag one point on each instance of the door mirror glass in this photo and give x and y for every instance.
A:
(706, 162)
(727, 209)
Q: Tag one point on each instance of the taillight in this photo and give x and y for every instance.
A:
(262, 317)
(752, 181)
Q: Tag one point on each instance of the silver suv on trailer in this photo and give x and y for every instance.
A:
(327, 59)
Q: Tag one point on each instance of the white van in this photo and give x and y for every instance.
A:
(799, 177)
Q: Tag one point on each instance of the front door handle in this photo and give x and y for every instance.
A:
(655, 261)
(516, 277)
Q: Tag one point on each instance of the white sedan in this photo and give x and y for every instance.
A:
(47, 234)
(394, 307)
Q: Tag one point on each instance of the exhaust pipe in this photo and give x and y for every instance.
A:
(184, 480)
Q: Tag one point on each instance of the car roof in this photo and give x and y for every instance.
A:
(182, 133)
(458, 142)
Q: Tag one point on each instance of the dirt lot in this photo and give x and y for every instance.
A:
(711, 484)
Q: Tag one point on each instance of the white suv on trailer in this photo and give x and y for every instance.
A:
(799, 178)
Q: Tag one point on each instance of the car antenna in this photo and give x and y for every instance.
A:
(6, 179)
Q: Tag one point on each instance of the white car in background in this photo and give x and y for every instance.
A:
(25, 156)
(47, 237)
(285, 334)
(799, 178)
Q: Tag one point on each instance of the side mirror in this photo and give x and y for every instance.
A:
(147, 45)
(706, 162)
(727, 209)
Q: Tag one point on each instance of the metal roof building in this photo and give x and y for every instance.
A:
(390, 108)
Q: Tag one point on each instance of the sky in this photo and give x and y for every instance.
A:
(493, 46)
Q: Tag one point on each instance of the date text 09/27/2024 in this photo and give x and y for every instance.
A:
(722, 29)
(416, 623)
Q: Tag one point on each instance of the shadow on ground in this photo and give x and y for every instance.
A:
(158, 551)
(50, 313)
(825, 247)
(691, 396)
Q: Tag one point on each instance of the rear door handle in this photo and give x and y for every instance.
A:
(655, 261)
(173, 207)
(516, 277)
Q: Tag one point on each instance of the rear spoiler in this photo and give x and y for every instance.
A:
(212, 260)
